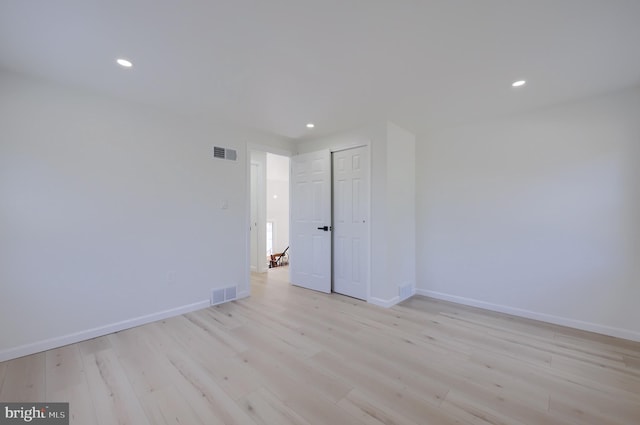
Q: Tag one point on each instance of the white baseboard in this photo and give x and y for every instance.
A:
(48, 344)
(384, 303)
(543, 317)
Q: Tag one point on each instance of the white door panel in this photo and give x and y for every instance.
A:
(350, 218)
(310, 252)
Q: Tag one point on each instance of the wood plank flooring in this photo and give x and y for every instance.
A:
(292, 356)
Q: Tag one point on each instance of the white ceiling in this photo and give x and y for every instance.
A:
(277, 64)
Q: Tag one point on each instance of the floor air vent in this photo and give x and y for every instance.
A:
(219, 296)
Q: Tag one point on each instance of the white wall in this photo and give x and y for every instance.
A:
(401, 206)
(110, 211)
(537, 215)
(391, 150)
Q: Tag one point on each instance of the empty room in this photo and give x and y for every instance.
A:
(356, 212)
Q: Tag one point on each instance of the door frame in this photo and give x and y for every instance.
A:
(333, 147)
(244, 290)
(260, 227)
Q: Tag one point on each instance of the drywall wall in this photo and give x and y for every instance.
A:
(401, 207)
(111, 213)
(391, 148)
(537, 214)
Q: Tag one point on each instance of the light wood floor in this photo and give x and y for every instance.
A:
(291, 356)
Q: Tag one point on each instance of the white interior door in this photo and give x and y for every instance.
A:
(350, 220)
(310, 234)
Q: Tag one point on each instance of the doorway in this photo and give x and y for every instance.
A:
(268, 210)
(277, 212)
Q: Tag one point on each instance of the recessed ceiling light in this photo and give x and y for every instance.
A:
(519, 83)
(124, 63)
(310, 125)
(275, 196)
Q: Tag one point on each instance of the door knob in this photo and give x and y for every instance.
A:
(325, 228)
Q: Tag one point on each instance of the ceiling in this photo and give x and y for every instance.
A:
(276, 65)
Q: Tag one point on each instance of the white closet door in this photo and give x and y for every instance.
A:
(310, 235)
(350, 219)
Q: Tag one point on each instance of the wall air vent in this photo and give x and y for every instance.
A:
(222, 295)
(230, 293)
(224, 153)
(217, 296)
(218, 152)
(405, 291)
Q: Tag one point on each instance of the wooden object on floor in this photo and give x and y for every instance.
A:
(279, 259)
